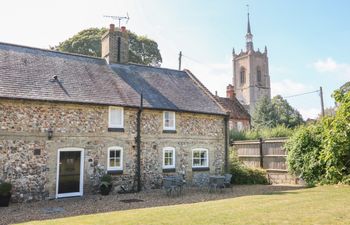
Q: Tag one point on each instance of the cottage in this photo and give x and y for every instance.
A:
(65, 119)
(239, 118)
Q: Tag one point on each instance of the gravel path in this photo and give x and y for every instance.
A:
(90, 204)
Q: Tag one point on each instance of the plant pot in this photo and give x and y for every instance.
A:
(5, 200)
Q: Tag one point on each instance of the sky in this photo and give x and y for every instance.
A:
(307, 41)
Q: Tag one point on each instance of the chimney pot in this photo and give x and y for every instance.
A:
(111, 27)
(230, 93)
(123, 29)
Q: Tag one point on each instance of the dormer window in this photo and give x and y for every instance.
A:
(115, 119)
(169, 121)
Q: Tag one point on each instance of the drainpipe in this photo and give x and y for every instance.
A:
(138, 145)
(226, 120)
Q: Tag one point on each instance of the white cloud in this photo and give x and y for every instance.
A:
(288, 87)
(330, 66)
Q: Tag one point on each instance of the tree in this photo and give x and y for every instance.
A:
(286, 114)
(275, 112)
(265, 114)
(142, 50)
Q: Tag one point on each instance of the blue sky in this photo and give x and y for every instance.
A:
(308, 41)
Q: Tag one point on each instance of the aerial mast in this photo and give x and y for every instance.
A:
(119, 18)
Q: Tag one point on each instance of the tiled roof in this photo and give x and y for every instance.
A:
(28, 73)
(236, 109)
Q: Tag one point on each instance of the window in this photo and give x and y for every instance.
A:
(168, 157)
(200, 157)
(168, 120)
(239, 126)
(116, 117)
(258, 75)
(242, 76)
(115, 158)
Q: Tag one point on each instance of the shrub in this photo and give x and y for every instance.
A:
(278, 131)
(304, 153)
(5, 188)
(242, 174)
(320, 153)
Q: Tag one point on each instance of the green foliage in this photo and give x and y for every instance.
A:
(320, 153)
(5, 188)
(286, 115)
(264, 114)
(336, 151)
(304, 153)
(142, 50)
(242, 174)
(106, 178)
(275, 112)
(278, 131)
(86, 42)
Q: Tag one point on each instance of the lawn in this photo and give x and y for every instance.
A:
(319, 205)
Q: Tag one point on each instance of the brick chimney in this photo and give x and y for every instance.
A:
(115, 45)
(230, 93)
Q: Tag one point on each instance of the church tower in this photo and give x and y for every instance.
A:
(251, 78)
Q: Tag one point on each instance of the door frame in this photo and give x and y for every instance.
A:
(81, 181)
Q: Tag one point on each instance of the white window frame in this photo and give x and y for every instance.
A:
(207, 153)
(115, 148)
(240, 126)
(172, 127)
(110, 125)
(174, 158)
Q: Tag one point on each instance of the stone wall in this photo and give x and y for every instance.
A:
(28, 159)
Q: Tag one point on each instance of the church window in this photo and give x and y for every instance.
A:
(242, 73)
(259, 75)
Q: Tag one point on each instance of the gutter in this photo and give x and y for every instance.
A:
(138, 146)
(226, 121)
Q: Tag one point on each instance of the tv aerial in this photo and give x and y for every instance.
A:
(119, 18)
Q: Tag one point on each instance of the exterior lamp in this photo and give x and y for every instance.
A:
(49, 133)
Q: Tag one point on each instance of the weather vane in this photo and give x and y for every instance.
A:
(119, 18)
(247, 8)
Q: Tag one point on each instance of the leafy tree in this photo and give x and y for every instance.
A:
(142, 50)
(321, 152)
(304, 149)
(286, 114)
(265, 114)
(336, 153)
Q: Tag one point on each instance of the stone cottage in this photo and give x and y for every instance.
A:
(65, 119)
(239, 118)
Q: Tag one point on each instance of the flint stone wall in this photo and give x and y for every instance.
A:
(28, 159)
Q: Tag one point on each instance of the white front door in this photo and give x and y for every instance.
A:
(70, 169)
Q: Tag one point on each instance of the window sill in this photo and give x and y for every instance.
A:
(169, 131)
(169, 170)
(115, 129)
(114, 172)
(200, 168)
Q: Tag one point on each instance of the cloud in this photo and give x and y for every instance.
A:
(330, 66)
(288, 87)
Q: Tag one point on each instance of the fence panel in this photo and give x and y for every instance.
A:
(268, 154)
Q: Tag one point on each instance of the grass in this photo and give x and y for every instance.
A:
(319, 205)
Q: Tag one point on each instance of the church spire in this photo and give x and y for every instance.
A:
(248, 28)
(249, 36)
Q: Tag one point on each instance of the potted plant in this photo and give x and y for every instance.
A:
(5, 194)
(106, 184)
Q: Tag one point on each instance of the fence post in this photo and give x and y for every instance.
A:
(261, 153)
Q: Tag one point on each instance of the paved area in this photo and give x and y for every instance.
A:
(22, 212)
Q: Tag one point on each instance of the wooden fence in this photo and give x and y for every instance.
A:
(268, 154)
